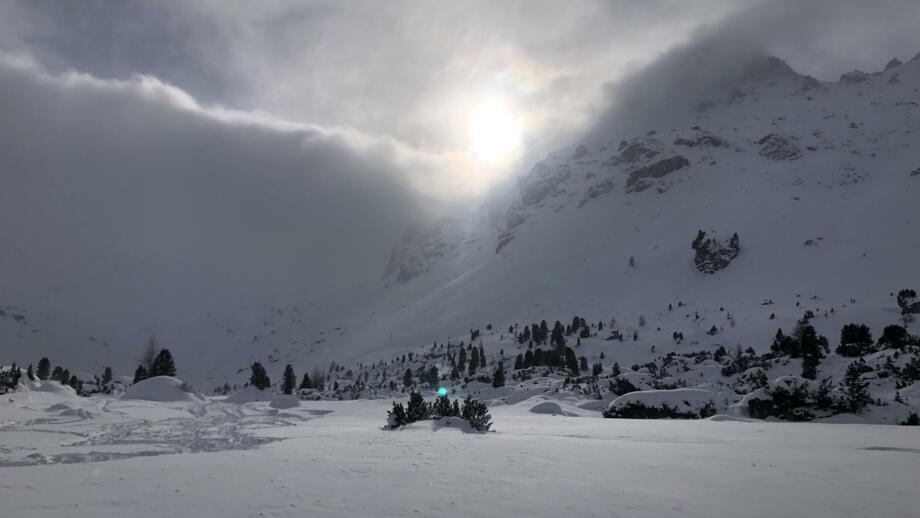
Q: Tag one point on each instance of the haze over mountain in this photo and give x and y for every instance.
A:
(133, 208)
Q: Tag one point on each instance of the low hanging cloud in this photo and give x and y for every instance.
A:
(129, 197)
(815, 37)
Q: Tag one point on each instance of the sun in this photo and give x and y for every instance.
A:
(494, 131)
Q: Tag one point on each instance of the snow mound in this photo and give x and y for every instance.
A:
(250, 394)
(455, 423)
(682, 403)
(71, 409)
(284, 401)
(52, 387)
(550, 408)
(162, 388)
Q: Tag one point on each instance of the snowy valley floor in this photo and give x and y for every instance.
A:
(119, 458)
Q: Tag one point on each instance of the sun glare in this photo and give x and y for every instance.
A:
(494, 132)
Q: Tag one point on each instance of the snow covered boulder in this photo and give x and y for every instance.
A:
(164, 389)
(250, 394)
(681, 403)
(550, 408)
(72, 409)
(284, 401)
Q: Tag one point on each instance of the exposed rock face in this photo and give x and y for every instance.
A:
(766, 68)
(513, 219)
(634, 152)
(915, 172)
(580, 152)
(895, 62)
(420, 247)
(809, 84)
(702, 139)
(712, 255)
(640, 179)
(542, 180)
(854, 77)
(779, 147)
(595, 190)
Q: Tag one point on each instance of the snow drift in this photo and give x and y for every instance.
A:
(163, 389)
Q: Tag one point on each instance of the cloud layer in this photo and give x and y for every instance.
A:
(128, 195)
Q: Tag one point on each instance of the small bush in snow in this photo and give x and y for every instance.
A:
(473, 411)
(636, 410)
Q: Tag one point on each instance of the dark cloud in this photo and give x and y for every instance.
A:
(130, 191)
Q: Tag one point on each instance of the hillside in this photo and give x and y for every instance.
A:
(817, 179)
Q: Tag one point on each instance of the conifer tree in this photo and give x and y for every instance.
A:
(140, 374)
(417, 409)
(557, 338)
(397, 417)
(855, 340)
(30, 374)
(288, 380)
(258, 378)
(305, 382)
(571, 362)
(477, 414)
(474, 361)
(857, 390)
(519, 362)
(163, 364)
(107, 376)
(407, 378)
(44, 369)
(811, 345)
(462, 361)
(482, 357)
(441, 408)
(498, 378)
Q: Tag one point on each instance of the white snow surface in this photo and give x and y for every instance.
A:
(333, 459)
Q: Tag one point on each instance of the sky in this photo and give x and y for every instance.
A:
(202, 151)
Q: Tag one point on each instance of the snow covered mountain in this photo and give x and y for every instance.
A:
(818, 180)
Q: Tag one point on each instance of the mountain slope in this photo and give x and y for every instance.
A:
(814, 177)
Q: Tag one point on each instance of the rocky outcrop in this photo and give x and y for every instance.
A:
(712, 255)
(418, 250)
(596, 190)
(855, 77)
(809, 84)
(580, 152)
(895, 62)
(543, 179)
(641, 178)
(631, 153)
(700, 140)
(779, 147)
